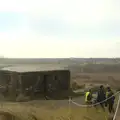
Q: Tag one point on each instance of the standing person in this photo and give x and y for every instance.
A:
(110, 100)
(88, 98)
(107, 92)
(101, 97)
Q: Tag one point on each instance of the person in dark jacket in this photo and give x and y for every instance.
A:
(101, 97)
(107, 92)
(110, 101)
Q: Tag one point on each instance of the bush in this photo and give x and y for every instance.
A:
(76, 86)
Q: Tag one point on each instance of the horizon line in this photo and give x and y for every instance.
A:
(64, 58)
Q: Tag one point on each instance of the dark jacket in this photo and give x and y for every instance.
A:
(112, 98)
(101, 95)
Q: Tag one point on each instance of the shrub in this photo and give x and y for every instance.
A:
(76, 86)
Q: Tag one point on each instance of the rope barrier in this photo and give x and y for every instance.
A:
(80, 105)
(118, 103)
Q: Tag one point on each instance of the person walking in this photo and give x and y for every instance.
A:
(110, 100)
(101, 97)
(88, 98)
(107, 92)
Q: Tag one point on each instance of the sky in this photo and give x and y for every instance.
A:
(59, 28)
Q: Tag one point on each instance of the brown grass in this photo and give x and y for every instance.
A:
(112, 79)
(50, 112)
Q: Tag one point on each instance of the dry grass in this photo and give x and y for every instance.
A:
(98, 78)
(50, 112)
(75, 85)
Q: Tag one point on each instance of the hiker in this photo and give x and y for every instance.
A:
(110, 100)
(101, 97)
(88, 97)
(107, 92)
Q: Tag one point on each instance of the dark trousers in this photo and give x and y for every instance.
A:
(106, 104)
(103, 106)
(110, 107)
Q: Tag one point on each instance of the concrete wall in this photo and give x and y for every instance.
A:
(4, 77)
(60, 81)
(13, 86)
(64, 79)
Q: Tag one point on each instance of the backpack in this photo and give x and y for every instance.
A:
(89, 97)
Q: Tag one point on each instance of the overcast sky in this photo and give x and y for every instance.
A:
(60, 28)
